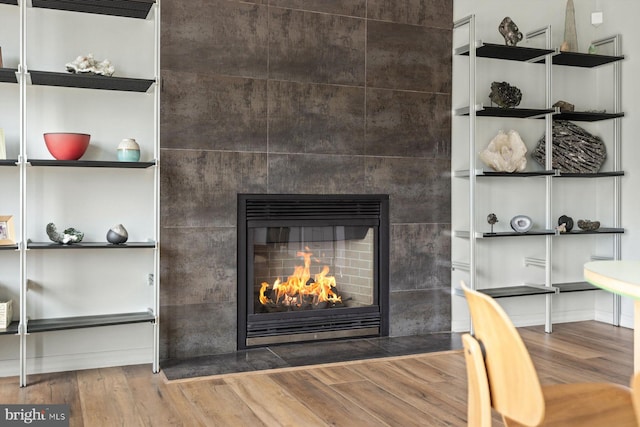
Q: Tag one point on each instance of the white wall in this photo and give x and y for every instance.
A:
(502, 263)
(78, 283)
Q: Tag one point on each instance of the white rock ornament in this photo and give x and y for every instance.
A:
(505, 153)
(89, 65)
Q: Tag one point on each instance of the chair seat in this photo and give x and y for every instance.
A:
(586, 405)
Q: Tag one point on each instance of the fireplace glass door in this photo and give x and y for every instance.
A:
(311, 269)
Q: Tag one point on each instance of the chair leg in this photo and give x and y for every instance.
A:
(635, 394)
(479, 400)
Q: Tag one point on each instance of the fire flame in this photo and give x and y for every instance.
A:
(298, 286)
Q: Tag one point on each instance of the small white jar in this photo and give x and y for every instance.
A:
(128, 150)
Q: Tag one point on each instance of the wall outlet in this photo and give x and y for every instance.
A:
(597, 18)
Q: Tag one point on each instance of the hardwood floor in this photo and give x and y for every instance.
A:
(418, 390)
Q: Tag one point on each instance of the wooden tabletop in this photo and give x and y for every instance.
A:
(620, 277)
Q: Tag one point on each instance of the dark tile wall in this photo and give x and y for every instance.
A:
(301, 96)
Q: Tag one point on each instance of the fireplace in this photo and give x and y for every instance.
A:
(312, 267)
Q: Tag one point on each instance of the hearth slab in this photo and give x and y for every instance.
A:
(315, 353)
(241, 361)
(307, 354)
(400, 346)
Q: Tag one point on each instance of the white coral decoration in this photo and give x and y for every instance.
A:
(87, 64)
(506, 152)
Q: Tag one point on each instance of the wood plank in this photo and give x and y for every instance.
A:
(217, 404)
(585, 351)
(408, 386)
(46, 389)
(562, 355)
(454, 366)
(335, 374)
(10, 391)
(181, 407)
(271, 403)
(105, 398)
(426, 372)
(390, 409)
(602, 339)
(153, 398)
(323, 400)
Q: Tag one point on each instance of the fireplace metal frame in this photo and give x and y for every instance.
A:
(272, 210)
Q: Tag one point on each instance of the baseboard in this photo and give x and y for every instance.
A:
(626, 320)
(9, 368)
(572, 316)
(78, 361)
(538, 319)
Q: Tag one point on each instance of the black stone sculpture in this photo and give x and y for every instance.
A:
(574, 149)
(567, 221)
(510, 32)
(505, 95)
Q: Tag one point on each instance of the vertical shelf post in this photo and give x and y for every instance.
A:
(617, 160)
(548, 132)
(22, 164)
(470, 21)
(156, 192)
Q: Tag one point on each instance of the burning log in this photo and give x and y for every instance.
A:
(300, 291)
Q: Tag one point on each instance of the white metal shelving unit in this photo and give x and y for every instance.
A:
(25, 77)
(549, 57)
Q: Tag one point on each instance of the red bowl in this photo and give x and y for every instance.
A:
(66, 146)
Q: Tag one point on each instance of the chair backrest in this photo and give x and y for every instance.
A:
(514, 385)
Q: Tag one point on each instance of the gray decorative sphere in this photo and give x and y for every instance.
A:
(117, 234)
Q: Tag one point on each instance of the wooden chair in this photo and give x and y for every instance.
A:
(502, 376)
